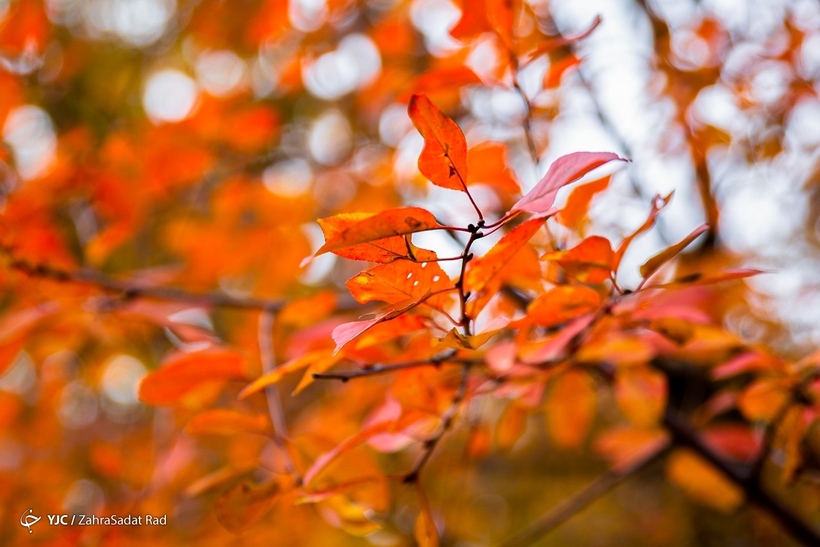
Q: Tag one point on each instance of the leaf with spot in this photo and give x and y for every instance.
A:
(399, 281)
(347, 230)
(443, 159)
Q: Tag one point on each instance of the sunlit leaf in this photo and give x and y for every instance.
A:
(591, 261)
(443, 159)
(349, 229)
(565, 170)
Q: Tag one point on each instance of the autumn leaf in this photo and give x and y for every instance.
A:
(577, 206)
(565, 170)
(558, 68)
(183, 372)
(398, 281)
(763, 399)
(510, 427)
(425, 530)
(651, 266)
(658, 204)
(624, 445)
(641, 395)
(346, 332)
(700, 278)
(482, 270)
(702, 482)
(559, 42)
(569, 408)
(487, 164)
(314, 361)
(350, 229)
(561, 304)
(443, 159)
(591, 261)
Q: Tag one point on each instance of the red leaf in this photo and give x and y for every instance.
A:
(443, 159)
(565, 170)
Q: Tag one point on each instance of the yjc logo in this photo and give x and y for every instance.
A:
(28, 519)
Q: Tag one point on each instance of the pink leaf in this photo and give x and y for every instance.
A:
(563, 171)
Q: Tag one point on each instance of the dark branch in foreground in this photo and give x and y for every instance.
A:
(684, 435)
(375, 370)
(581, 499)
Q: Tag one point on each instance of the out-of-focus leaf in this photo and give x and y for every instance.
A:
(561, 304)
(702, 482)
(763, 399)
(510, 427)
(641, 395)
(185, 371)
(425, 530)
(569, 408)
(578, 201)
(624, 445)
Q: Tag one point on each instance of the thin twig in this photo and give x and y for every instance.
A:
(375, 370)
(447, 420)
(277, 415)
(133, 289)
(574, 504)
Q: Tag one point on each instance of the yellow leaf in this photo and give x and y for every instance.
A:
(702, 482)
(763, 399)
(641, 395)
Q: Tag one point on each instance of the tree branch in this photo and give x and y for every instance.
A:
(375, 370)
(684, 435)
(133, 289)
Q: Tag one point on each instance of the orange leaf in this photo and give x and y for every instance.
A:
(443, 159)
(222, 421)
(565, 170)
(569, 408)
(186, 371)
(510, 427)
(624, 445)
(577, 205)
(699, 278)
(558, 68)
(702, 482)
(398, 281)
(763, 399)
(481, 270)
(349, 229)
(487, 164)
(310, 359)
(501, 15)
(591, 261)
(651, 266)
(555, 43)
(447, 77)
(641, 395)
(658, 203)
(562, 303)
(242, 505)
(425, 530)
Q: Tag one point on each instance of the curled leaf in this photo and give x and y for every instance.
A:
(443, 159)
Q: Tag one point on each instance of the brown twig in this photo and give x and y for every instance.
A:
(129, 289)
(277, 415)
(574, 504)
(375, 370)
(447, 420)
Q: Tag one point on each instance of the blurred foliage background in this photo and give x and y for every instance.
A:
(194, 143)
